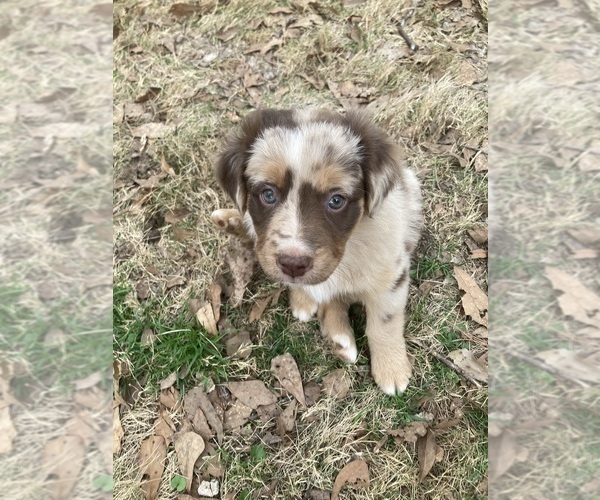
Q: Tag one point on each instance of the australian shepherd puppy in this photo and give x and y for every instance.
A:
(335, 216)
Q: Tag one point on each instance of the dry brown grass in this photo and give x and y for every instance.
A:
(423, 101)
(55, 236)
(544, 111)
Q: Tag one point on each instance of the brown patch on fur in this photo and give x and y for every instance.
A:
(327, 228)
(331, 177)
(231, 163)
(400, 280)
(380, 159)
(272, 172)
(387, 318)
(262, 214)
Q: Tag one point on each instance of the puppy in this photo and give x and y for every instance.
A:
(334, 216)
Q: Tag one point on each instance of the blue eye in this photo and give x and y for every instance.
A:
(268, 196)
(336, 202)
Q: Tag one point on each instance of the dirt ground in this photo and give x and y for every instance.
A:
(183, 76)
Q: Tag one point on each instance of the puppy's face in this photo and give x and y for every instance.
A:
(305, 179)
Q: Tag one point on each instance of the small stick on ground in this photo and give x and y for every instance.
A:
(443, 359)
(543, 366)
(412, 46)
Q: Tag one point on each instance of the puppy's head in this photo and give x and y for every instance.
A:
(304, 179)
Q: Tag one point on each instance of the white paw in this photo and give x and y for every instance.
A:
(344, 347)
(391, 378)
(304, 314)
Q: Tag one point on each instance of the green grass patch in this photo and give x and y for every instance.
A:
(179, 345)
(80, 348)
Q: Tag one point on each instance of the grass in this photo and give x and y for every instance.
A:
(538, 193)
(422, 105)
(55, 237)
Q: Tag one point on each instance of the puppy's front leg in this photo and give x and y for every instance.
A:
(303, 307)
(390, 366)
(335, 325)
(230, 220)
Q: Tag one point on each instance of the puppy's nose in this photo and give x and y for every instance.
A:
(294, 265)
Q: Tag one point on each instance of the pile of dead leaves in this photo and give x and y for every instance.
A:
(64, 456)
(196, 425)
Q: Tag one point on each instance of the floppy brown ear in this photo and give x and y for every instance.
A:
(381, 160)
(231, 163)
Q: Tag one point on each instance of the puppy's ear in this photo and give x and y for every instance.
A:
(231, 163)
(381, 160)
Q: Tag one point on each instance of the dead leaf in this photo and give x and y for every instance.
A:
(174, 281)
(564, 74)
(182, 235)
(84, 426)
(427, 452)
(176, 215)
(165, 167)
(258, 308)
(188, 447)
(118, 431)
(236, 415)
(285, 369)
(355, 473)
(585, 253)
(410, 432)
(589, 163)
(588, 234)
(103, 9)
(313, 80)
(89, 381)
(185, 9)
(151, 461)
(206, 317)
(504, 453)
(577, 300)
(479, 253)
(201, 425)
(152, 130)
(573, 364)
(92, 398)
(252, 393)
(213, 293)
(467, 74)
(169, 381)
(65, 130)
(239, 345)
(288, 416)
(62, 461)
(169, 397)
(479, 235)
(474, 301)
(481, 163)
(337, 383)
(197, 398)
(7, 431)
(467, 361)
(592, 487)
(240, 261)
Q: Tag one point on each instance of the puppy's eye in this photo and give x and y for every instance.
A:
(336, 202)
(268, 196)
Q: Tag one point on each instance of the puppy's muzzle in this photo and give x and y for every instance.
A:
(294, 265)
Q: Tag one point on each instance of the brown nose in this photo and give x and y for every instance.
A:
(294, 265)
